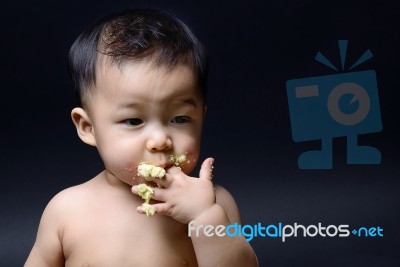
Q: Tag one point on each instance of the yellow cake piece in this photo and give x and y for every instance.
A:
(150, 172)
(145, 191)
(176, 159)
(148, 209)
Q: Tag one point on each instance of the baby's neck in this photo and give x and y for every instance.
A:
(112, 184)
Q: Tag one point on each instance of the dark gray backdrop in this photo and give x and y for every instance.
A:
(254, 47)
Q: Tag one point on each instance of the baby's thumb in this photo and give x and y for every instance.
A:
(206, 169)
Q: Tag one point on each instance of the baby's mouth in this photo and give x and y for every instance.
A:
(150, 171)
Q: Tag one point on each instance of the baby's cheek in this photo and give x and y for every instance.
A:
(123, 170)
(190, 163)
(129, 175)
(121, 159)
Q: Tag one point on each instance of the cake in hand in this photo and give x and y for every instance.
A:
(146, 192)
(150, 172)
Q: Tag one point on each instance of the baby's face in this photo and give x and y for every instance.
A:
(141, 112)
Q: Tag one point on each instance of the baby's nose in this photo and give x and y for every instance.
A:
(159, 141)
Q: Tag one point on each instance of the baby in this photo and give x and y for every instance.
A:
(140, 76)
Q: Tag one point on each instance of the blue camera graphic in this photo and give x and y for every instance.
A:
(343, 104)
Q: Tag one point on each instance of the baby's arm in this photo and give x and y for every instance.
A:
(47, 250)
(193, 200)
(222, 251)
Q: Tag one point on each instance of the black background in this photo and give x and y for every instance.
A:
(254, 48)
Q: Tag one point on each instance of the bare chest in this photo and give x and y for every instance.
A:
(119, 237)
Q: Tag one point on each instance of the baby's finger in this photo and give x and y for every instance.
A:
(206, 169)
(134, 189)
(174, 171)
(147, 209)
(152, 193)
(165, 181)
(159, 194)
(163, 209)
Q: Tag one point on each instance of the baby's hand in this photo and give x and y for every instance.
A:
(183, 197)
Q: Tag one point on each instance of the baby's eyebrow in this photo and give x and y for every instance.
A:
(131, 105)
(189, 101)
(137, 105)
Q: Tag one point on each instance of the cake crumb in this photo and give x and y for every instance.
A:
(148, 209)
(149, 172)
(177, 159)
(146, 192)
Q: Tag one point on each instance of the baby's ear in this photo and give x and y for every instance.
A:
(83, 126)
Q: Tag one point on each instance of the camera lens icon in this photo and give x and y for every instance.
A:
(359, 96)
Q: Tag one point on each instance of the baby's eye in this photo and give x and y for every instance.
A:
(133, 122)
(181, 119)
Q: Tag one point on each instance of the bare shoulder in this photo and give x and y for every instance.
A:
(66, 199)
(57, 210)
(48, 249)
(228, 203)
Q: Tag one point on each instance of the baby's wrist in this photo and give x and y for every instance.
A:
(214, 215)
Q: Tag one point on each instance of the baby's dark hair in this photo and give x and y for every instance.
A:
(135, 35)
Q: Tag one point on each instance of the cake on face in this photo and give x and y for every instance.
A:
(150, 172)
(177, 160)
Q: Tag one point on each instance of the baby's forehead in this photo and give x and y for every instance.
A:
(123, 68)
(146, 74)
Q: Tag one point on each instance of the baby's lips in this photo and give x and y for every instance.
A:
(176, 160)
